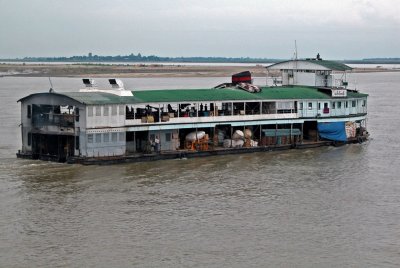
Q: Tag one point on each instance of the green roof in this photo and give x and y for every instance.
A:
(332, 65)
(295, 92)
(182, 95)
(353, 94)
(199, 95)
(196, 95)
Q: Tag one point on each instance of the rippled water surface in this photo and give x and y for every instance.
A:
(325, 207)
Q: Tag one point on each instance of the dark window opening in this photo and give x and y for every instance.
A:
(168, 137)
(326, 108)
(77, 114)
(29, 139)
(29, 115)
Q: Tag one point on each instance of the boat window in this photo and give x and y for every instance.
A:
(319, 106)
(90, 111)
(29, 139)
(121, 110)
(168, 137)
(129, 112)
(90, 138)
(76, 142)
(121, 136)
(268, 107)
(300, 106)
(105, 110)
(353, 103)
(98, 138)
(339, 104)
(114, 137)
(310, 106)
(114, 110)
(98, 110)
(364, 103)
(285, 107)
(77, 114)
(106, 137)
(333, 105)
(29, 115)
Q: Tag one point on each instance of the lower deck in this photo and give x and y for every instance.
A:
(108, 145)
(185, 153)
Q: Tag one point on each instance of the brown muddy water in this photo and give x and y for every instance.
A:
(325, 207)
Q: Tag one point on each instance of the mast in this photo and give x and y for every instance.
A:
(295, 62)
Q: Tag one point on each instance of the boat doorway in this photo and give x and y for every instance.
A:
(138, 142)
(52, 147)
(222, 132)
(310, 132)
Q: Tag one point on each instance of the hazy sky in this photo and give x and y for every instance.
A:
(337, 29)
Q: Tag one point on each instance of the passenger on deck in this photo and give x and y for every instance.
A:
(156, 144)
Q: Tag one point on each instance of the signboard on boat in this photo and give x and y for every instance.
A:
(339, 93)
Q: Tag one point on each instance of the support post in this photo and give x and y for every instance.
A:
(302, 132)
(159, 113)
(134, 141)
(291, 135)
(231, 133)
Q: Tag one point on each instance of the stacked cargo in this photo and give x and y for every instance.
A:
(240, 139)
(351, 129)
(197, 141)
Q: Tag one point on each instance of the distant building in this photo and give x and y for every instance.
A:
(90, 55)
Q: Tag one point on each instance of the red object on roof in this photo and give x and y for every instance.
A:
(243, 77)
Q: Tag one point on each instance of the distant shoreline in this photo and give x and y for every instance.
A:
(149, 59)
(140, 70)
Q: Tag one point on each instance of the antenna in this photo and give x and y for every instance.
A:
(295, 63)
(51, 90)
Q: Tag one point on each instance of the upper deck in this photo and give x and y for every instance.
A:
(178, 108)
(210, 95)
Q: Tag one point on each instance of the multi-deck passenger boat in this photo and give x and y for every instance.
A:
(303, 106)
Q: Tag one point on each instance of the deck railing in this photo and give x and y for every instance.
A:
(49, 119)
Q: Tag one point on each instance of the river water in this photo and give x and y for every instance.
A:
(324, 207)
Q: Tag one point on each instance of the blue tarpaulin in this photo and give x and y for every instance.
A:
(335, 131)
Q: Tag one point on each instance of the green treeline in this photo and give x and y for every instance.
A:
(152, 58)
(139, 58)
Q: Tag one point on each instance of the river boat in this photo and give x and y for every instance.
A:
(305, 103)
